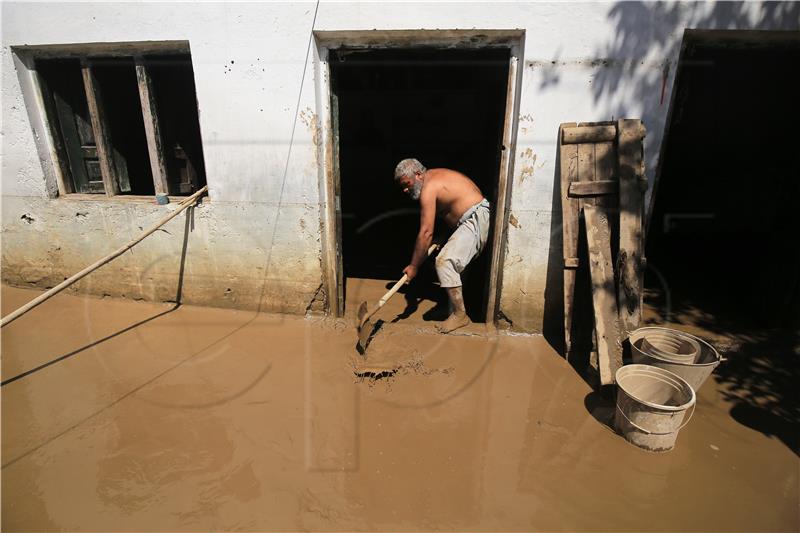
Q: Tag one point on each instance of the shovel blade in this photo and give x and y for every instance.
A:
(364, 332)
(364, 328)
(362, 314)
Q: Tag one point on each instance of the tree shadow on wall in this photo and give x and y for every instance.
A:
(760, 376)
(642, 28)
(646, 29)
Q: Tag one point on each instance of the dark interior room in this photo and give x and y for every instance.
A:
(442, 107)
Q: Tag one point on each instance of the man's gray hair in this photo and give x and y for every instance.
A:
(408, 167)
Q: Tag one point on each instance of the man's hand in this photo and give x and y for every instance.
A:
(410, 271)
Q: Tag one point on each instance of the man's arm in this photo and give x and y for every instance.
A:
(427, 203)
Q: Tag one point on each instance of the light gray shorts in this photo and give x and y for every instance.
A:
(466, 242)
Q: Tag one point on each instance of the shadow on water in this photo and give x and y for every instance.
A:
(418, 292)
(188, 227)
(602, 406)
(425, 288)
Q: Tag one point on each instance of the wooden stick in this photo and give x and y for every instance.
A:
(587, 173)
(102, 135)
(152, 128)
(94, 266)
(568, 155)
(592, 188)
(604, 298)
(630, 269)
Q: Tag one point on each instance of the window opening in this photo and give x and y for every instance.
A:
(173, 80)
(119, 96)
(142, 111)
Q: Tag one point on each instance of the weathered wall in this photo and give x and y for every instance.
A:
(237, 254)
(257, 242)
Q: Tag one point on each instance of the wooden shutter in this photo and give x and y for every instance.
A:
(602, 177)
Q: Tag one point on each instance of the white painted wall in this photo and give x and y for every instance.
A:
(260, 234)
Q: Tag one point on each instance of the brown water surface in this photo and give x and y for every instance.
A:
(209, 419)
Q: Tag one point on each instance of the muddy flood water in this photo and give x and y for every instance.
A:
(120, 415)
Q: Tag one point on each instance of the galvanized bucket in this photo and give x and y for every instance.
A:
(651, 406)
(670, 344)
(694, 372)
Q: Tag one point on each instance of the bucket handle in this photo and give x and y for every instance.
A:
(634, 424)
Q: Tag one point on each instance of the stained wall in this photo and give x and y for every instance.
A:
(256, 242)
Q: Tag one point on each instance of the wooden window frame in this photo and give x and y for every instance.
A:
(41, 113)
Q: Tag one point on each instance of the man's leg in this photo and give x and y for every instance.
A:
(458, 318)
(450, 262)
(463, 246)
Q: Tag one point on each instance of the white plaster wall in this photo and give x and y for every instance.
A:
(256, 244)
(582, 62)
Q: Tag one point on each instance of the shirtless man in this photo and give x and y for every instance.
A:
(455, 198)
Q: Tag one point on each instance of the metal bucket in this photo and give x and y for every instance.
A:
(694, 373)
(670, 344)
(651, 406)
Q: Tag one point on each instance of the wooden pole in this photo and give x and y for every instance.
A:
(570, 227)
(152, 128)
(94, 266)
(102, 133)
(588, 134)
(630, 259)
(604, 297)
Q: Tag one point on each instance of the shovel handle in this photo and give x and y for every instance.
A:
(390, 293)
(399, 284)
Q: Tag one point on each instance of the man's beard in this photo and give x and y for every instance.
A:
(416, 190)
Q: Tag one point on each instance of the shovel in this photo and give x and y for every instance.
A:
(365, 327)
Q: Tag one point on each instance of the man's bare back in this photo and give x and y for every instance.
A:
(450, 195)
(454, 193)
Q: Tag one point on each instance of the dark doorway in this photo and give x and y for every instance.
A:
(724, 224)
(723, 254)
(443, 107)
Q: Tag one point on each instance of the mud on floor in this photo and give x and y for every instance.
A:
(416, 366)
(157, 419)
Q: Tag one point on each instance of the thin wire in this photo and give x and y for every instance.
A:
(299, 97)
(288, 159)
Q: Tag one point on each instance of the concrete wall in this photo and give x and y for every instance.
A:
(257, 242)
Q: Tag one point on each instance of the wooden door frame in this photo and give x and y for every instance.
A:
(327, 141)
